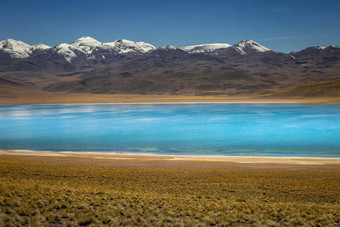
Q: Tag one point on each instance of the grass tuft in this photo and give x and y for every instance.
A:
(67, 193)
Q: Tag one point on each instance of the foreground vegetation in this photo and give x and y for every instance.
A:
(68, 192)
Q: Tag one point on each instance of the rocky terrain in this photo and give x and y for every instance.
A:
(126, 67)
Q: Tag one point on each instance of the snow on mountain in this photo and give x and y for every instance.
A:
(320, 48)
(247, 46)
(19, 49)
(16, 49)
(65, 50)
(243, 47)
(85, 44)
(93, 48)
(171, 47)
(86, 41)
(40, 46)
(124, 46)
(204, 48)
(88, 44)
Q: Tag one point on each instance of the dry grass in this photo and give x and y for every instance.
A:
(13, 95)
(317, 92)
(66, 192)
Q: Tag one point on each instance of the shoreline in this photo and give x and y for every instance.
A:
(125, 102)
(176, 158)
(47, 98)
(172, 103)
(304, 102)
(155, 102)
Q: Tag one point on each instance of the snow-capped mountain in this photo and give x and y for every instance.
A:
(19, 49)
(66, 50)
(170, 47)
(16, 49)
(205, 48)
(127, 67)
(248, 46)
(86, 51)
(93, 48)
(87, 45)
(124, 46)
(84, 45)
(40, 46)
(86, 41)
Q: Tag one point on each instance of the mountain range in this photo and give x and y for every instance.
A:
(127, 67)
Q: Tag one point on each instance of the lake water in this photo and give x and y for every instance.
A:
(196, 129)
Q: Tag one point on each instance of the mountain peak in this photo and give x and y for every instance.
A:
(86, 41)
(41, 46)
(65, 50)
(124, 41)
(12, 42)
(246, 41)
(203, 48)
(15, 48)
(124, 46)
(320, 47)
(248, 46)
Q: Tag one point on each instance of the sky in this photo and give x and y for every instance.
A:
(282, 25)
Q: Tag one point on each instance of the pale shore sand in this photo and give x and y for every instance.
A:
(174, 160)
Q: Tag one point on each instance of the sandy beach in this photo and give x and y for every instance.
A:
(178, 160)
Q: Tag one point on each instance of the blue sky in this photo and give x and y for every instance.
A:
(283, 25)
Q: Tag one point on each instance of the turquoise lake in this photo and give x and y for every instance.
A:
(185, 129)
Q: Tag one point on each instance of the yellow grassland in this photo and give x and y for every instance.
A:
(71, 190)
